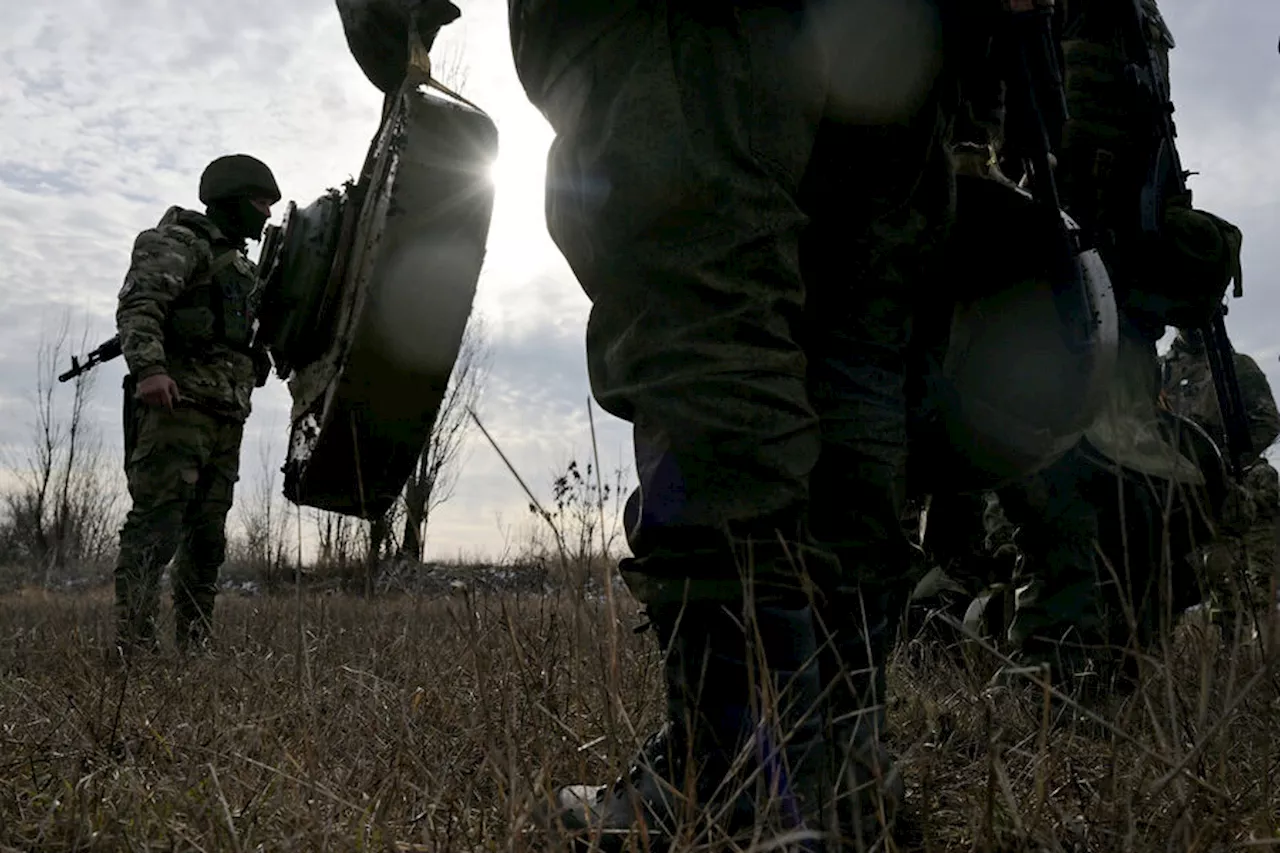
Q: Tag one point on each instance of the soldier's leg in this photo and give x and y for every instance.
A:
(1262, 540)
(1137, 582)
(1058, 609)
(162, 470)
(204, 541)
(867, 259)
(956, 539)
(671, 190)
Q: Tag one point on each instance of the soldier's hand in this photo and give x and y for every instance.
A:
(976, 161)
(377, 33)
(159, 390)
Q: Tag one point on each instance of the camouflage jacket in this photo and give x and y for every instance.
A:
(187, 309)
(1188, 386)
(1106, 141)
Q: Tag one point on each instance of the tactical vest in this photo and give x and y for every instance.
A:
(217, 308)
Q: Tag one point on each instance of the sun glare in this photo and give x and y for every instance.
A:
(518, 173)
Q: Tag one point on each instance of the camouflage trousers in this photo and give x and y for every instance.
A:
(1105, 565)
(182, 467)
(1057, 519)
(753, 263)
(1249, 548)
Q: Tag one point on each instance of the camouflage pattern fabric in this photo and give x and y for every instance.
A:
(752, 266)
(1240, 567)
(1058, 600)
(1065, 512)
(182, 472)
(186, 309)
(754, 257)
(1103, 156)
(1189, 391)
(1262, 539)
(1250, 539)
(165, 327)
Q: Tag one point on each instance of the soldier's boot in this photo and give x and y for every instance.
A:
(714, 761)
(869, 790)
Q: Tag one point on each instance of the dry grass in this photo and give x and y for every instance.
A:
(331, 722)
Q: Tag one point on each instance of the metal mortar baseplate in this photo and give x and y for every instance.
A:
(367, 294)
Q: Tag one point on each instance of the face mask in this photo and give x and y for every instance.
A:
(252, 220)
(238, 218)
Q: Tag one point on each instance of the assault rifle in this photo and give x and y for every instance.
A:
(1165, 178)
(105, 352)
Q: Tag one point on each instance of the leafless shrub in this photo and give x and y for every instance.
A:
(62, 513)
(266, 547)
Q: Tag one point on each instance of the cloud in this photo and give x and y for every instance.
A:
(1226, 89)
(111, 112)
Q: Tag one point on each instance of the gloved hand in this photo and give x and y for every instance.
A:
(976, 161)
(378, 34)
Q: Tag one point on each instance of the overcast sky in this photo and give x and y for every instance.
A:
(111, 108)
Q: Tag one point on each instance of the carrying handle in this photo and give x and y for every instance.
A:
(418, 71)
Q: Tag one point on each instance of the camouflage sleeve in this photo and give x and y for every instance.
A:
(164, 259)
(1259, 403)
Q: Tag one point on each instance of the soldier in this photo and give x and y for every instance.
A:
(1252, 540)
(1067, 605)
(186, 319)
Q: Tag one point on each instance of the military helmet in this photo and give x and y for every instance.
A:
(1029, 344)
(237, 175)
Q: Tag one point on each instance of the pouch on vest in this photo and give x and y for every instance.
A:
(1192, 263)
(366, 294)
(198, 316)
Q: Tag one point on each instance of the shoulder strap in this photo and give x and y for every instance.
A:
(220, 262)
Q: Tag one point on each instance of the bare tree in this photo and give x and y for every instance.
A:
(63, 510)
(449, 67)
(436, 475)
(335, 541)
(264, 519)
(379, 545)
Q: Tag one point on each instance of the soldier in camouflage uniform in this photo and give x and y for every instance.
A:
(186, 319)
(1251, 541)
(1065, 611)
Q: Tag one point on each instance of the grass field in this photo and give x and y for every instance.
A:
(332, 722)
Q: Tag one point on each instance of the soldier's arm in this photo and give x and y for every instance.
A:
(1259, 403)
(164, 260)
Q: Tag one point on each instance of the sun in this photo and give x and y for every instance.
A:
(519, 249)
(519, 171)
